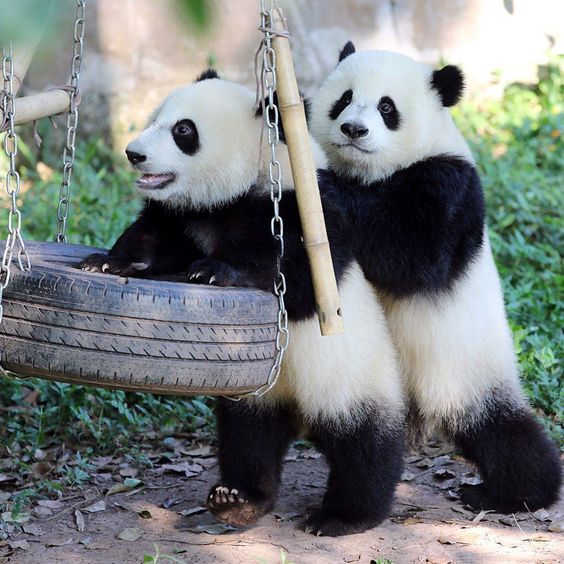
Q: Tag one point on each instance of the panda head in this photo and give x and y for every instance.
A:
(378, 112)
(201, 147)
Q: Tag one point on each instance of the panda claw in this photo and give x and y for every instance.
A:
(212, 279)
(105, 267)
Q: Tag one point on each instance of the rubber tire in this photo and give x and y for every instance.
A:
(65, 324)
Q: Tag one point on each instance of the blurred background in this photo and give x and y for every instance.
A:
(138, 50)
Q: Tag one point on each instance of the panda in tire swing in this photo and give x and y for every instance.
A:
(206, 216)
(404, 176)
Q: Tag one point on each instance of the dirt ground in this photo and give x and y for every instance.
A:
(160, 518)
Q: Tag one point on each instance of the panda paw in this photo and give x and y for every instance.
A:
(107, 264)
(234, 507)
(322, 523)
(214, 272)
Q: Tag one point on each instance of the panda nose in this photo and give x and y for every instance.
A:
(354, 130)
(135, 158)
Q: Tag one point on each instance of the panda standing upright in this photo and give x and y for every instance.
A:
(405, 177)
(206, 218)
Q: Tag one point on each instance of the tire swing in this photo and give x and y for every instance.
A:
(60, 323)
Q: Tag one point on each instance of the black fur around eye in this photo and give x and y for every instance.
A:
(186, 136)
(341, 104)
(389, 113)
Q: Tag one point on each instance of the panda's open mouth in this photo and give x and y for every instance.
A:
(155, 181)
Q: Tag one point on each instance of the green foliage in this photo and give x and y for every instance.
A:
(518, 145)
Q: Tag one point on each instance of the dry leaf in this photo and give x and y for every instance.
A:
(352, 558)
(6, 478)
(128, 485)
(19, 544)
(201, 452)
(96, 507)
(79, 518)
(128, 472)
(9, 517)
(443, 474)
(60, 542)
(185, 468)
(50, 503)
(557, 526)
(213, 529)
(481, 515)
(407, 476)
(41, 469)
(542, 515)
(425, 463)
(192, 511)
(32, 529)
(130, 534)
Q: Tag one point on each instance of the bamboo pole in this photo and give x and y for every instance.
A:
(316, 243)
(23, 56)
(37, 106)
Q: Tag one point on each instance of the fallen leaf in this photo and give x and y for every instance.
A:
(41, 469)
(407, 476)
(481, 515)
(19, 544)
(192, 511)
(50, 503)
(507, 521)
(9, 517)
(128, 472)
(79, 518)
(282, 517)
(453, 495)
(96, 507)
(542, 515)
(130, 534)
(85, 540)
(6, 478)
(557, 526)
(199, 452)
(32, 529)
(42, 511)
(352, 558)
(425, 463)
(444, 540)
(127, 485)
(145, 514)
(60, 542)
(443, 474)
(170, 501)
(189, 470)
(213, 529)
(5, 496)
(470, 479)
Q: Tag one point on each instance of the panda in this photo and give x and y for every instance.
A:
(405, 177)
(206, 217)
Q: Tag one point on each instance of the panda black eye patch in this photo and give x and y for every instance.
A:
(389, 113)
(186, 136)
(340, 104)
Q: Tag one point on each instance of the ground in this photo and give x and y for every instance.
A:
(160, 517)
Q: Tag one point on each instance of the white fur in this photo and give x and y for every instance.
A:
(426, 127)
(455, 348)
(230, 158)
(329, 377)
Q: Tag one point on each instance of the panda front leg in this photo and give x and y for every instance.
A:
(519, 464)
(365, 457)
(253, 437)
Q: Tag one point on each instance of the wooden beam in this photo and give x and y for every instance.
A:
(37, 106)
(305, 181)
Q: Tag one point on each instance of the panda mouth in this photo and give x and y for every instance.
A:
(155, 181)
(353, 146)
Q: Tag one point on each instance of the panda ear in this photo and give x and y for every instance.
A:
(449, 83)
(207, 74)
(347, 50)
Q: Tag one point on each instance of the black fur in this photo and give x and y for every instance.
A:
(417, 231)
(389, 113)
(207, 74)
(366, 462)
(519, 465)
(252, 444)
(348, 49)
(449, 83)
(186, 136)
(340, 104)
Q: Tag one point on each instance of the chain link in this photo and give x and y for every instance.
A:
(72, 121)
(14, 240)
(267, 86)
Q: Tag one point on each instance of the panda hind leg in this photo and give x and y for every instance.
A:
(252, 441)
(365, 457)
(519, 464)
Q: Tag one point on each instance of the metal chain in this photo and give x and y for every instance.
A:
(72, 121)
(271, 117)
(14, 240)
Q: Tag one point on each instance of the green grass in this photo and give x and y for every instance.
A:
(518, 145)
